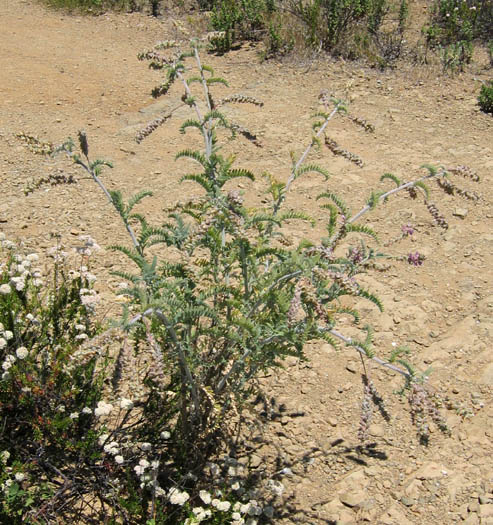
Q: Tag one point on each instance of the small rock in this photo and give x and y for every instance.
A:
(412, 491)
(461, 212)
(353, 499)
(408, 502)
(486, 511)
(350, 367)
(255, 461)
(376, 430)
(430, 471)
(291, 360)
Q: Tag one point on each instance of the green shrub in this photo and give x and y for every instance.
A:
(455, 56)
(454, 21)
(485, 98)
(353, 28)
(237, 20)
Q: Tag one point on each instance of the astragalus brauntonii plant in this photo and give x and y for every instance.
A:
(227, 297)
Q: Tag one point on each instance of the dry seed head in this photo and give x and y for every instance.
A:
(412, 192)
(337, 150)
(295, 305)
(452, 189)
(240, 99)
(325, 252)
(370, 128)
(235, 199)
(348, 284)
(35, 145)
(143, 133)
(439, 219)
(465, 172)
(324, 97)
(84, 146)
(154, 57)
(249, 135)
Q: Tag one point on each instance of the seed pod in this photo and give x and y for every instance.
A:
(337, 150)
(84, 146)
(439, 219)
(465, 172)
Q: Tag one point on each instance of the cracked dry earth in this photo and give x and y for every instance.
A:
(61, 73)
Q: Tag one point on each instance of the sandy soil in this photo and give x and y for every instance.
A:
(63, 73)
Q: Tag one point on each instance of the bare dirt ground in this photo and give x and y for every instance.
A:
(62, 73)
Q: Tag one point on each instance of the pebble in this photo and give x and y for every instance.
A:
(353, 499)
(461, 212)
(351, 367)
(408, 502)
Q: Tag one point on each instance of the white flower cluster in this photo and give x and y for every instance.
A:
(4, 243)
(126, 404)
(103, 409)
(21, 352)
(112, 448)
(5, 335)
(89, 299)
(88, 245)
(242, 513)
(19, 477)
(178, 497)
(147, 473)
(20, 270)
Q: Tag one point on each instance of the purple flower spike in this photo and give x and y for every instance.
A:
(407, 229)
(415, 258)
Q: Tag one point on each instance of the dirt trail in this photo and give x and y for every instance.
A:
(62, 73)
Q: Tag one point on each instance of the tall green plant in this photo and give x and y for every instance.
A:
(217, 295)
(237, 301)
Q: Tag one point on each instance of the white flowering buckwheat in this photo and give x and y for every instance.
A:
(5, 289)
(126, 404)
(176, 497)
(103, 409)
(205, 497)
(22, 352)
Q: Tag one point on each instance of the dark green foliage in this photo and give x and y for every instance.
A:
(353, 28)
(454, 21)
(485, 98)
(238, 20)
